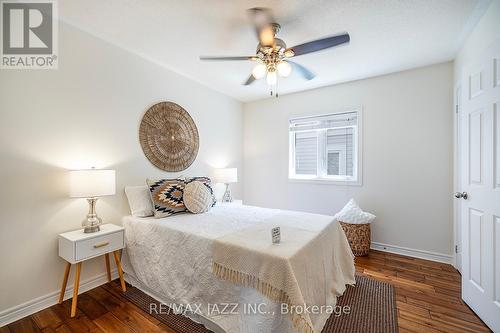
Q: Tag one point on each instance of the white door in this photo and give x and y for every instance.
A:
(457, 180)
(480, 173)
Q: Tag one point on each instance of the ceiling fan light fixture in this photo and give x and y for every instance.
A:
(266, 36)
(259, 71)
(271, 78)
(284, 69)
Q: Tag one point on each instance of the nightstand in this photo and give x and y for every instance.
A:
(76, 246)
(234, 202)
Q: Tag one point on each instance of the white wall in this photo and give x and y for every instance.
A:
(407, 155)
(484, 34)
(84, 114)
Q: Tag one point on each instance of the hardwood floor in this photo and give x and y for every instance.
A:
(428, 300)
(428, 294)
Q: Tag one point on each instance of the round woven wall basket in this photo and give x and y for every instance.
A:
(169, 137)
(359, 237)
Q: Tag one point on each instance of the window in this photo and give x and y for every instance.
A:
(326, 147)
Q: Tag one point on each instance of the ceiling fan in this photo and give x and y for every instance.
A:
(273, 56)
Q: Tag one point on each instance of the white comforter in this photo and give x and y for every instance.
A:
(173, 258)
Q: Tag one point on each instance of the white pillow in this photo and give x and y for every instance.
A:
(139, 200)
(351, 213)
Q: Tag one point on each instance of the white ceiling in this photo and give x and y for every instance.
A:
(386, 35)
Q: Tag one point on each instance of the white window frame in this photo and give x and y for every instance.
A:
(323, 178)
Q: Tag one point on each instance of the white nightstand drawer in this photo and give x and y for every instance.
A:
(76, 246)
(98, 245)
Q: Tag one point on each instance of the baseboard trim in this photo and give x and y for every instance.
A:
(28, 308)
(421, 254)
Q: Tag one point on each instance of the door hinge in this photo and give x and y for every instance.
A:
(456, 108)
(456, 248)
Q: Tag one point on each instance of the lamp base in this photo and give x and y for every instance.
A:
(92, 222)
(227, 195)
(91, 229)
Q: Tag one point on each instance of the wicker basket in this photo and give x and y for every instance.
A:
(358, 236)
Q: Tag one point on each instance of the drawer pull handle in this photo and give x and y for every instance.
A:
(100, 245)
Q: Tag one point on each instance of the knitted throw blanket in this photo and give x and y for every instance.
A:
(311, 266)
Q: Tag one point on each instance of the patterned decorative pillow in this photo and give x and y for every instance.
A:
(167, 196)
(207, 182)
(197, 197)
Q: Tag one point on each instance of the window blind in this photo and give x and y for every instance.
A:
(340, 141)
(333, 167)
(306, 148)
(324, 122)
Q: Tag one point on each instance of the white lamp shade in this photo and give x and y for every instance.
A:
(227, 175)
(91, 183)
(259, 71)
(284, 69)
(271, 78)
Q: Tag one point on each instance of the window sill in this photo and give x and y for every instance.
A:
(324, 181)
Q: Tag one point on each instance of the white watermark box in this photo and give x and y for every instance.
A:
(29, 33)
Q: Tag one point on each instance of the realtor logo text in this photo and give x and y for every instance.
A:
(29, 34)
(248, 309)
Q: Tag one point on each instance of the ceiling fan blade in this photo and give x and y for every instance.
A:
(260, 15)
(320, 44)
(249, 80)
(262, 19)
(228, 58)
(302, 71)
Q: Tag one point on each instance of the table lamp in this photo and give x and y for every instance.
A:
(91, 184)
(226, 176)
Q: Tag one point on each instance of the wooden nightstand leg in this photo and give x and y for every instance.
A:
(108, 269)
(65, 282)
(75, 289)
(120, 271)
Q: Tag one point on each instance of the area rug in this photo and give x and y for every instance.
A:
(371, 305)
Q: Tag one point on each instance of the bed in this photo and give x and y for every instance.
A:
(172, 259)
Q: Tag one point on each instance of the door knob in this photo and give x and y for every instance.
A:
(462, 195)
